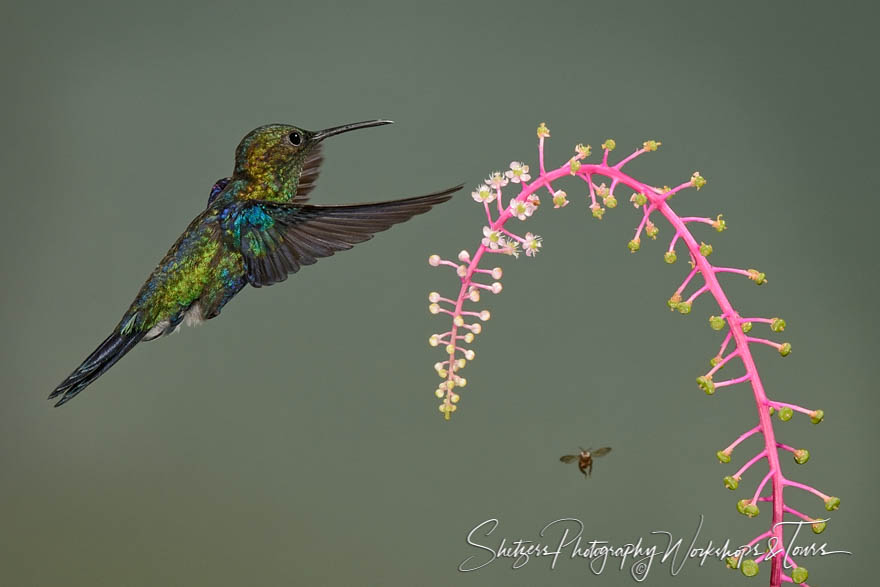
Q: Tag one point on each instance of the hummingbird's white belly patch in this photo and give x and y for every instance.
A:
(192, 317)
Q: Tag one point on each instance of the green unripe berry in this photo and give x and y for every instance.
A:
(670, 257)
(785, 414)
(731, 482)
(633, 245)
(799, 575)
(723, 457)
(706, 384)
(818, 527)
(716, 322)
(705, 249)
(817, 416)
(732, 562)
(785, 349)
(746, 508)
(832, 503)
(746, 327)
(609, 144)
(598, 211)
(801, 456)
(777, 325)
(749, 568)
(684, 307)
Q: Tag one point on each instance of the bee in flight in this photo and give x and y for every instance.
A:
(585, 459)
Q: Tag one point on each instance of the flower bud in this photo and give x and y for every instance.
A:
(485, 315)
(434, 260)
(758, 277)
(832, 503)
(706, 384)
(458, 320)
(497, 273)
(464, 256)
(705, 249)
(609, 144)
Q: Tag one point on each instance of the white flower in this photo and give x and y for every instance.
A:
(532, 244)
(483, 194)
(493, 239)
(521, 210)
(560, 199)
(518, 172)
(496, 180)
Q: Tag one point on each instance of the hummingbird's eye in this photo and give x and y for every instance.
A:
(295, 138)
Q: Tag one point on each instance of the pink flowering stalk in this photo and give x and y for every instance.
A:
(499, 237)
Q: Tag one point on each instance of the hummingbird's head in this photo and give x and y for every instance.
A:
(276, 155)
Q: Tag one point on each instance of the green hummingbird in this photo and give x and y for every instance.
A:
(258, 227)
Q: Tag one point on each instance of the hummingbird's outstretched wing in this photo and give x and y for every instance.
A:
(276, 239)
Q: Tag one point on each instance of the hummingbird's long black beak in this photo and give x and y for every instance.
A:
(335, 130)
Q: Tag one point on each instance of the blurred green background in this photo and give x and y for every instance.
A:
(296, 440)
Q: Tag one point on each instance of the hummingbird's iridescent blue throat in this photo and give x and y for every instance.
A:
(258, 227)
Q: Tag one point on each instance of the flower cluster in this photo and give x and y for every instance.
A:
(498, 239)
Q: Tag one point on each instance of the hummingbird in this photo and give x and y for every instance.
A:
(257, 228)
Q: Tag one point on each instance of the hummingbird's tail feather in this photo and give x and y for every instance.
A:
(105, 356)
